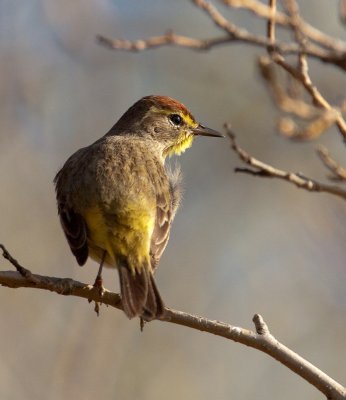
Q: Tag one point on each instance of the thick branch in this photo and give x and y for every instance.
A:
(261, 339)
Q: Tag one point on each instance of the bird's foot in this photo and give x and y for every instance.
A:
(98, 284)
(97, 308)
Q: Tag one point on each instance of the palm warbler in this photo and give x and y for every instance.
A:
(116, 200)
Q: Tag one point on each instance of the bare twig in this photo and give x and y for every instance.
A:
(260, 325)
(169, 38)
(172, 39)
(318, 99)
(311, 130)
(301, 74)
(276, 49)
(335, 54)
(317, 120)
(271, 24)
(260, 168)
(338, 172)
(238, 35)
(217, 17)
(260, 10)
(292, 10)
(282, 96)
(261, 340)
(263, 11)
(235, 34)
(23, 271)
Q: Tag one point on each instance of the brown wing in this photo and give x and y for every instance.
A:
(72, 223)
(162, 227)
(166, 207)
(75, 230)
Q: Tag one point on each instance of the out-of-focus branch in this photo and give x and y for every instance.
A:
(301, 75)
(338, 172)
(334, 53)
(261, 339)
(332, 114)
(235, 34)
(263, 11)
(169, 38)
(271, 24)
(260, 10)
(316, 120)
(259, 168)
(317, 97)
(309, 42)
(282, 96)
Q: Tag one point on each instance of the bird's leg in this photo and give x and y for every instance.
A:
(141, 323)
(99, 283)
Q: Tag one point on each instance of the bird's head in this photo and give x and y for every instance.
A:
(164, 120)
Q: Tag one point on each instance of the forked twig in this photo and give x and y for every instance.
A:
(259, 168)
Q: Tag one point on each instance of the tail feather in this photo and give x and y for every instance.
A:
(154, 306)
(134, 291)
(139, 294)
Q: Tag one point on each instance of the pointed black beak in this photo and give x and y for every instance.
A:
(204, 131)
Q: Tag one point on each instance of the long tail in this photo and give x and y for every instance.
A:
(139, 293)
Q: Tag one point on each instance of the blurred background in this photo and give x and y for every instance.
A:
(239, 245)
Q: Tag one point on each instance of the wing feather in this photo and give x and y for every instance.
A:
(167, 203)
(75, 230)
(73, 224)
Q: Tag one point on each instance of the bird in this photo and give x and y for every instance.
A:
(117, 198)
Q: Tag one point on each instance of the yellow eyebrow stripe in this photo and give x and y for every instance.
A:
(189, 121)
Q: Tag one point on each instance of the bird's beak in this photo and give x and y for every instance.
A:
(204, 131)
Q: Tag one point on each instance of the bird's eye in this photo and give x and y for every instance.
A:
(176, 119)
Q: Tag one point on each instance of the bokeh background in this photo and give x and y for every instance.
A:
(239, 245)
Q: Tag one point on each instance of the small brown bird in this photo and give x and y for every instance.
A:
(117, 200)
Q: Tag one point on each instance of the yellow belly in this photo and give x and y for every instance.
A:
(126, 234)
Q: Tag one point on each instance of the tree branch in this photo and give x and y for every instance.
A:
(325, 48)
(259, 168)
(263, 11)
(338, 172)
(301, 74)
(238, 35)
(261, 339)
(235, 34)
(271, 23)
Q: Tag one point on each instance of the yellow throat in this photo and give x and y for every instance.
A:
(184, 142)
